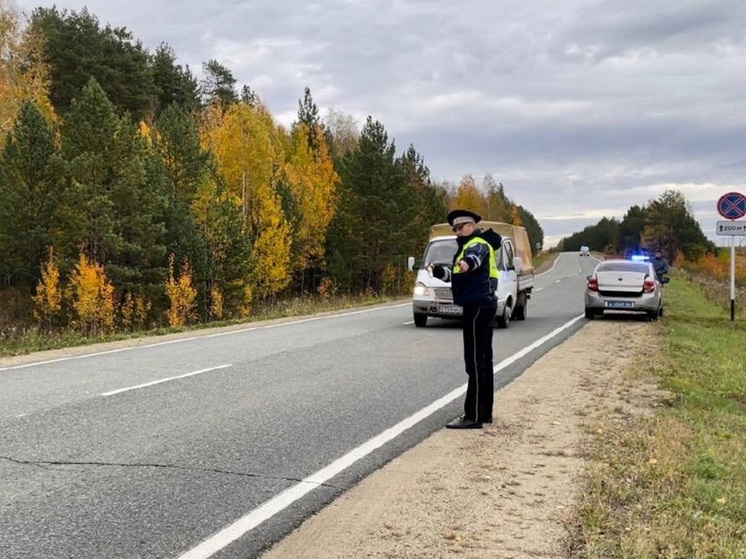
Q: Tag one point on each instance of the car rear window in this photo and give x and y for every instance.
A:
(639, 267)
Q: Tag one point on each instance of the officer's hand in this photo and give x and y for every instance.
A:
(438, 271)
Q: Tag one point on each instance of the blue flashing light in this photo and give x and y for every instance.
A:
(639, 257)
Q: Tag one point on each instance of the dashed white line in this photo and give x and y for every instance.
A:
(120, 390)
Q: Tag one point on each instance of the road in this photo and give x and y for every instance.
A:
(220, 443)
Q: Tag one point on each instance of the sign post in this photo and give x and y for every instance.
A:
(732, 206)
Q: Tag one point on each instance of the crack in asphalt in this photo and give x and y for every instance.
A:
(43, 463)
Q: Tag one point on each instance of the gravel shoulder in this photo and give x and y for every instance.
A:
(506, 491)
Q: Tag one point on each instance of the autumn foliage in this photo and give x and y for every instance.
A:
(92, 297)
(717, 266)
(181, 295)
(48, 297)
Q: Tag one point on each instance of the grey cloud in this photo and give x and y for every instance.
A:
(613, 28)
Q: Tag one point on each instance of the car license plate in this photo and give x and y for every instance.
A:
(619, 304)
(454, 309)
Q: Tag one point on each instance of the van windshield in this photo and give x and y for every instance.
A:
(441, 252)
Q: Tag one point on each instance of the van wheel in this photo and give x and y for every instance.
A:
(521, 307)
(420, 320)
(504, 320)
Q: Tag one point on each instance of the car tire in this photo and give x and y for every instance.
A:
(420, 320)
(521, 307)
(590, 314)
(504, 320)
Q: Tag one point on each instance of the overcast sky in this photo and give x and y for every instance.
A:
(581, 108)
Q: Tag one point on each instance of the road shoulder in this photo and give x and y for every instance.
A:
(504, 492)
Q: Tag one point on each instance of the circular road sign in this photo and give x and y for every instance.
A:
(732, 205)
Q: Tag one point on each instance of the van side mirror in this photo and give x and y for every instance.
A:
(410, 264)
(517, 264)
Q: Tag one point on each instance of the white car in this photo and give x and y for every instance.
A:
(624, 285)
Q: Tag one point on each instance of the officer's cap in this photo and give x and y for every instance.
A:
(457, 217)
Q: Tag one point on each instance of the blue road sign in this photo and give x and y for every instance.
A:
(732, 205)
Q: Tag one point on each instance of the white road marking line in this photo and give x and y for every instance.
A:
(119, 391)
(277, 504)
(553, 265)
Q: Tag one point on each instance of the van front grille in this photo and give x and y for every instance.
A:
(443, 294)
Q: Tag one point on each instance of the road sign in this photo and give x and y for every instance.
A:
(731, 228)
(732, 205)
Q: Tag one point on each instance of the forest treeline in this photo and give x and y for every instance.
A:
(666, 223)
(134, 195)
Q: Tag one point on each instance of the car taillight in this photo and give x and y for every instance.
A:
(648, 286)
(592, 284)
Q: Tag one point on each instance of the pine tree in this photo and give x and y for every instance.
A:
(137, 259)
(308, 116)
(429, 200)
(182, 165)
(89, 146)
(227, 259)
(77, 49)
(533, 229)
(375, 201)
(31, 194)
(218, 86)
(174, 85)
(498, 204)
(670, 226)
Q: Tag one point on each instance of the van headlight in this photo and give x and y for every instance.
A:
(421, 290)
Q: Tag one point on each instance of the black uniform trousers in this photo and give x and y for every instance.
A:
(480, 390)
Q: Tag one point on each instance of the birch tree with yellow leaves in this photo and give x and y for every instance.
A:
(48, 297)
(468, 196)
(23, 75)
(92, 296)
(312, 182)
(242, 140)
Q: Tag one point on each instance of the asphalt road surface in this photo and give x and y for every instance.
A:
(219, 444)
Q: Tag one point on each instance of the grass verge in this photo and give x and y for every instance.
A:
(31, 340)
(673, 485)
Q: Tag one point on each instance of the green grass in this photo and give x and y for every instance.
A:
(674, 485)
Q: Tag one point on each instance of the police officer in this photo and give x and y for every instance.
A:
(473, 278)
(660, 265)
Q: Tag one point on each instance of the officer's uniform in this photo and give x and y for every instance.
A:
(474, 290)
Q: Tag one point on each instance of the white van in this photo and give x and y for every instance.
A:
(433, 297)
